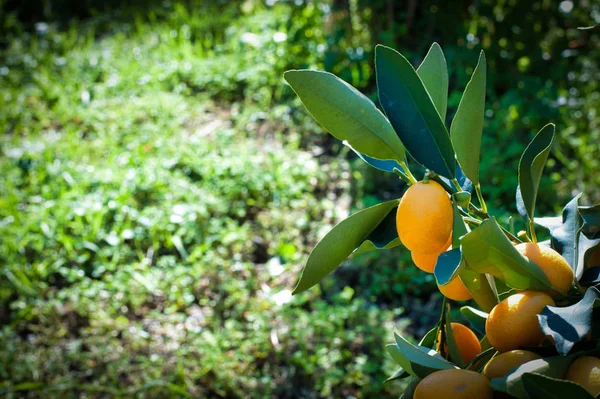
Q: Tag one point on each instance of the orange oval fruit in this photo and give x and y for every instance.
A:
(586, 372)
(500, 365)
(455, 290)
(424, 218)
(426, 261)
(466, 341)
(513, 322)
(554, 266)
(454, 384)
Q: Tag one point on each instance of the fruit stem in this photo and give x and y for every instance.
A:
(402, 176)
(532, 230)
(471, 220)
(456, 185)
(407, 172)
(480, 197)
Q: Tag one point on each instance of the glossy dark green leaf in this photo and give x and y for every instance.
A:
(540, 386)
(340, 242)
(585, 249)
(417, 360)
(400, 374)
(447, 266)
(463, 181)
(410, 388)
(412, 112)
(459, 228)
(564, 237)
(385, 165)
(430, 338)
(433, 72)
(487, 250)
(453, 352)
(479, 362)
(531, 166)
(553, 367)
(590, 277)
(569, 324)
(591, 220)
(476, 318)
(384, 236)
(467, 125)
(346, 113)
(478, 284)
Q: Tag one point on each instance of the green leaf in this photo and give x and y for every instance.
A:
(585, 249)
(447, 266)
(410, 388)
(591, 220)
(487, 250)
(434, 75)
(384, 165)
(590, 277)
(478, 284)
(569, 324)
(418, 361)
(459, 229)
(384, 236)
(512, 383)
(564, 236)
(476, 318)
(530, 169)
(540, 386)
(453, 351)
(479, 362)
(412, 112)
(430, 338)
(398, 375)
(467, 125)
(346, 113)
(335, 247)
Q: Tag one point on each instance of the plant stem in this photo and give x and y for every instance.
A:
(532, 230)
(408, 173)
(477, 212)
(480, 197)
(456, 185)
(402, 176)
(471, 220)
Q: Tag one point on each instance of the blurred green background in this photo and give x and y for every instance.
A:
(162, 186)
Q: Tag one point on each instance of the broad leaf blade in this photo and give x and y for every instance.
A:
(447, 266)
(384, 236)
(386, 165)
(568, 325)
(422, 361)
(540, 386)
(412, 112)
(467, 125)
(591, 220)
(476, 318)
(487, 250)
(335, 247)
(346, 113)
(564, 237)
(513, 383)
(433, 72)
(531, 165)
(591, 276)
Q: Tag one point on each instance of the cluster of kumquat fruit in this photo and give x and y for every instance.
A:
(533, 301)
(511, 324)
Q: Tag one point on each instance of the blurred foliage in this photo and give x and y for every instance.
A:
(162, 186)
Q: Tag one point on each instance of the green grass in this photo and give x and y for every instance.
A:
(157, 202)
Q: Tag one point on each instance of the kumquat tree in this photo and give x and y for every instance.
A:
(534, 331)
